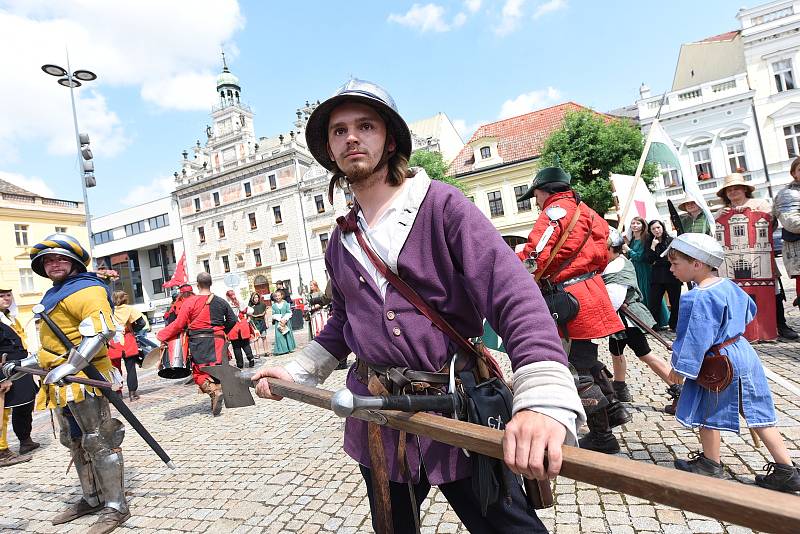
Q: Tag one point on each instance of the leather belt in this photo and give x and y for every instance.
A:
(398, 380)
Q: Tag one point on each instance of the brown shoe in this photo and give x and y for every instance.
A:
(216, 400)
(76, 510)
(109, 520)
(28, 445)
(9, 457)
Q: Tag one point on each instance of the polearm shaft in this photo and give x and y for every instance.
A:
(627, 312)
(102, 384)
(748, 506)
(112, 396)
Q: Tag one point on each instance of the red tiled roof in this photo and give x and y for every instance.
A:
(727, 36)
(518, 138)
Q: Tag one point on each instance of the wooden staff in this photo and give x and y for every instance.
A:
(627, 312)
(748, 506)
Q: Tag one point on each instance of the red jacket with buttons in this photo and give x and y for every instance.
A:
(588, 243)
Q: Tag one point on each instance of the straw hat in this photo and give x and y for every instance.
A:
(733, 179)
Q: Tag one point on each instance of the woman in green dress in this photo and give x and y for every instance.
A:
(281, 317)
(638, 242)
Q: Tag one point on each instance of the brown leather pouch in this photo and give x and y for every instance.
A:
(716, 372)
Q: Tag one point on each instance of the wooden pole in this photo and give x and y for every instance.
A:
(745, 505)
(639, 167)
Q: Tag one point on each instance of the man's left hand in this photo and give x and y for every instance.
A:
(527, 437)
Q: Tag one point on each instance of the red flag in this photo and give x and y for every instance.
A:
(179, 278)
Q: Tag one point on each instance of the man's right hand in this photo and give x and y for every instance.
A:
(262, 386)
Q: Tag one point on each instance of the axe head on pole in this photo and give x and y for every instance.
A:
(236, 384)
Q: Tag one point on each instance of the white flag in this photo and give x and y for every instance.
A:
(662, 150)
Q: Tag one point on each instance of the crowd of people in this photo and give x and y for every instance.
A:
(415, 269)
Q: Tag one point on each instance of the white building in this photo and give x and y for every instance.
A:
(708, 113)
(771, 40)
(143, 244)
(254, 210)
(436, 134)
(734, 105)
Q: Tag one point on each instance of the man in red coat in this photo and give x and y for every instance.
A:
(574, 262)
(208, 318)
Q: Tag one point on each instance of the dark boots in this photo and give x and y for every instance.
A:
(780, 477)
(622, 392)
(700, 465)
(27, 445)
(599, 438)
(674, 391)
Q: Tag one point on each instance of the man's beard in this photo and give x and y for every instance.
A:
(359, 172)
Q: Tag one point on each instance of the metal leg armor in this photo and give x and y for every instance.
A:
(79, 460)
(102, 436)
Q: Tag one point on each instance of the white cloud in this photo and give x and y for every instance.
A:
(527, 102)
(33, 184)
(181, 91)
(157, 188)
(160, 48)
(549, 7)
(510, 17)
(522, 104)
(432, 17)
(429, 17)
(466, 130)
(472, 5)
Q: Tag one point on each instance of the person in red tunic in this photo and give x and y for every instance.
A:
(208, 318)
(171, 314)
(240, 335)
(574, 262)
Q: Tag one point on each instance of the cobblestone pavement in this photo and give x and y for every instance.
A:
(279, 467)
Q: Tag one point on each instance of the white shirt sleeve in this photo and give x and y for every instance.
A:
(617, 292)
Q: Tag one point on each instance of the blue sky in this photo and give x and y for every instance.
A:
(476, 60)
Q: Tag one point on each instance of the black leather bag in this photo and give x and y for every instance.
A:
(487, 404)
(563, 305)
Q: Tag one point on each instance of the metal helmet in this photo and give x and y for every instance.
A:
(615, 238)
(363, 92)
(701, 247)
(63, 245)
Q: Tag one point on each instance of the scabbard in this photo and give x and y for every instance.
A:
(380, 480)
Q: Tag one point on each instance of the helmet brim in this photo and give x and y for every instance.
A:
(317, 126)
(37, 264)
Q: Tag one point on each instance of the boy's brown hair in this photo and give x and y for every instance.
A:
(675, 254)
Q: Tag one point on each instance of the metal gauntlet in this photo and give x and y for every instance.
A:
(81, 356)
(7, 370)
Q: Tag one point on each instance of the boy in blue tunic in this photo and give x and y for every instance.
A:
(714, 315)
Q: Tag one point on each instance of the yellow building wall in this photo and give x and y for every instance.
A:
(504, 179)
(42, 216)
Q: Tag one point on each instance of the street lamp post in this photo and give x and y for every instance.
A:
(70, 79)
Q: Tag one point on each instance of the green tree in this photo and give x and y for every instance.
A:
(591, 147)
(435, 166)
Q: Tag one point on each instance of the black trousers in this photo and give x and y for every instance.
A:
(673, 291)
(22, 421)
(130, 374)
(238, 346)
(506, 516)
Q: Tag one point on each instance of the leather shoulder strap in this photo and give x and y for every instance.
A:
(561, 239)
(414, 298)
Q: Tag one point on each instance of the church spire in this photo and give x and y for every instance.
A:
(228, 85)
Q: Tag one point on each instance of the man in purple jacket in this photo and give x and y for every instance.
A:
(435, 239)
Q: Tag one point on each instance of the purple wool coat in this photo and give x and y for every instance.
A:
(459, 264)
